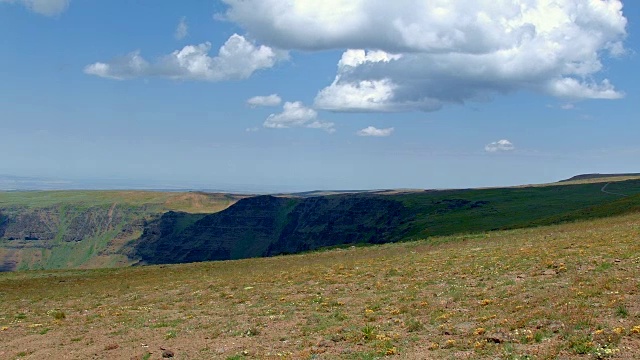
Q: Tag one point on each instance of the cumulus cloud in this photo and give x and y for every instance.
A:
(295, 114)
(182, 30)
(432, 53)
(238, 58)
(43, 7)
(269, 100)
(372, 131)
(499, 146)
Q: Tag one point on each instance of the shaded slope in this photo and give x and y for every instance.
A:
(267, 225)
(249, 225)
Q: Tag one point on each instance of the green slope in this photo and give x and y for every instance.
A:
(267, 226)
(70, 229)
(477, 210)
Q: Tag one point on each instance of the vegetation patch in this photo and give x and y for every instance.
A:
(538, 293)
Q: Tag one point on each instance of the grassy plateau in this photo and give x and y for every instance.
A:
(568, 291)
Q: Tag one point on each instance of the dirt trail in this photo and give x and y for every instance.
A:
(609, 192)
(110, 216)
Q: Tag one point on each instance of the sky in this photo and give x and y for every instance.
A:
(292, 95)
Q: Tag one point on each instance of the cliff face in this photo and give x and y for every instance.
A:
(69, 224)
(267, 225)
(64, 236)
(329, 221)
(243, 230)
(38, 224)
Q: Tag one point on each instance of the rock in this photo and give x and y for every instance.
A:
(497, 337)
(556, 327)
(324, 343)
(111, 347)
(167, 354)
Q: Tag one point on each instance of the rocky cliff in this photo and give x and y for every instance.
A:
(68, 229)
(62, 236)
(267, 226)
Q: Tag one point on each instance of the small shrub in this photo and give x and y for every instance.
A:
(604, 266)
(538, 336)
(391, 351)
(340, 316)
(414, 325)
(57, 314)
(622, 311)
(582, 345)
(235, 357)
(603, 352)
(449, 344)
(368, 332)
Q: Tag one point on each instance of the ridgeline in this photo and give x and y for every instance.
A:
(50, 230)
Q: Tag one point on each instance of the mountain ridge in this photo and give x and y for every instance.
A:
(89, 229)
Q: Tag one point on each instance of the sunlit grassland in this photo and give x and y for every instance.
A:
(193, 202)
(557, 292)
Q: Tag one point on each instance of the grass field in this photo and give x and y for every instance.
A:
(449, 212)
(559, 292)
(192, 202)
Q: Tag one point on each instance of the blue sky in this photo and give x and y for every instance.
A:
(363, 95)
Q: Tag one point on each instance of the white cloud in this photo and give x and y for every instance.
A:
(469, 26)
(433, 53)
(43, 7)
(253, 129)
(269, 100)
(182, 30)
(372, 131)
(499, 146)
(573, 88)
(238, 58)
(295, 114)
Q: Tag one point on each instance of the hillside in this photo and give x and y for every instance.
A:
(87, 229)
(267, 225)
(559, 292)
(62, 229)
(601, 177)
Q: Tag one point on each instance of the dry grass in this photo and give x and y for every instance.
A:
(596, 180)
(564, 292)
(193, 202)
